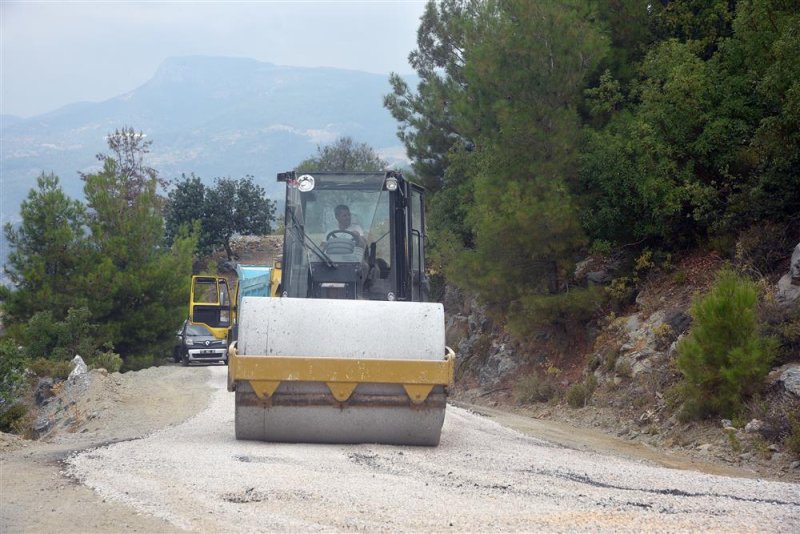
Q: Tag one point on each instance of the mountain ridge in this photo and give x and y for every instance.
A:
(210, 115)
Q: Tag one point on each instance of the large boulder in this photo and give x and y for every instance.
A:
(78, 380)
(79, 368)
(789, 284)
(596, 269)
(501, 362)
(790, 378)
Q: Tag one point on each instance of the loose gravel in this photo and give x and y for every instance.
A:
(482, 477)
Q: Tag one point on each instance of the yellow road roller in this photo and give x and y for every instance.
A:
(350, 351)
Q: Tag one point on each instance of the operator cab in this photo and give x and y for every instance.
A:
(353, 236)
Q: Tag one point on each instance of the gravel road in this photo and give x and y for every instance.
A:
(482, 477)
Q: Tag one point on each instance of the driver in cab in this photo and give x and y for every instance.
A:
(345, 226)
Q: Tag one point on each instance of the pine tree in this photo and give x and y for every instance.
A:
(724, 359)
(524, 79)
(47, 254)
(138, 286)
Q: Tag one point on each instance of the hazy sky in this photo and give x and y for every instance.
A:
(59, 52)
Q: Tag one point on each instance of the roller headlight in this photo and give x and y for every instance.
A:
(305, 183)
(391, 183)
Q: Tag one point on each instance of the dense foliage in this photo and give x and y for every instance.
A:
(96, 278)
(542, 128)
(229, 207)
(46, 253)
(344, 154)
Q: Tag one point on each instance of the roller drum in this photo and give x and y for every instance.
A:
(307, 412)
(312, 417)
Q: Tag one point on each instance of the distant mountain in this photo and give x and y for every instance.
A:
(6, 120)
(212, 116)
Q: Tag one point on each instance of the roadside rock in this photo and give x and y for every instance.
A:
(79, 368)
(644, 340)
(456, 329)
(481, 349)
(599, 277)
(790, 379)
(500, 363)
(788, 293)
(631, 352)
(78, 381)
(596, 270)
(754, 426)
(44, 391)
(789, 284)
(41, 426)
(678, 321)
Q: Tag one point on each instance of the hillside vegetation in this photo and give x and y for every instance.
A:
(582, 156)
(549, 129)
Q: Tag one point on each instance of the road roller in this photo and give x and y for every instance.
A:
(350, 351)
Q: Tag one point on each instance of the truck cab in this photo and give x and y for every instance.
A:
(210, 304)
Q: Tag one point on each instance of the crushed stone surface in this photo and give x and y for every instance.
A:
(482, 477)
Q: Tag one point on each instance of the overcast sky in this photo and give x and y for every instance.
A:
(59, 52)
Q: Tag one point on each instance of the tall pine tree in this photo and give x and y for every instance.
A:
(138, 286)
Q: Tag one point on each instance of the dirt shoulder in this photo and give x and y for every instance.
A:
(696, 446)
(37, 497)
(586, 439)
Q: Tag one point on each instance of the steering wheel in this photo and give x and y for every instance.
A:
(353, 235)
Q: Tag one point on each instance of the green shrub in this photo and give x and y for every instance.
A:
(56, 369)
(564, 310)
(578, 395)
(680, 277)
(136, 363)
(733, 442)
(48, 338)
(12, 368)
(722, 244)
(624, 368)
(610, 360)
(782, 323)
(723, 359)
(793, 439)
(110, 361)
(621, 292)
(600, 247)
(533, 388)
(762, 248)
(11, 419)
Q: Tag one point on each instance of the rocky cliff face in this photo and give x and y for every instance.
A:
(487, 356)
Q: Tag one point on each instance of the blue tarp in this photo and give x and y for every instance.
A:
(253, 280)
